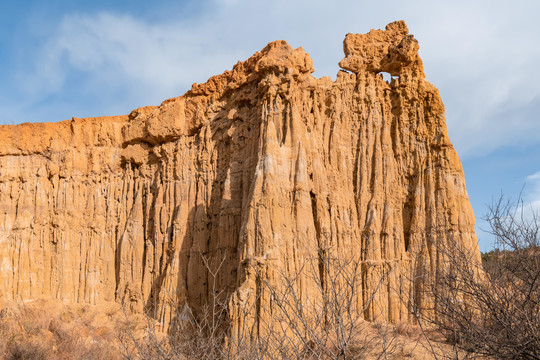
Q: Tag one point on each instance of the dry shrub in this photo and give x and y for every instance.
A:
(330, 323)
(408, 329)
(28, 349)
(332, 328)
(493, 309)
(36, 331)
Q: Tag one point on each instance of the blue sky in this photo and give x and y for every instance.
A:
(64, 58)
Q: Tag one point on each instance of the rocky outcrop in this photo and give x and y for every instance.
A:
(251, 173)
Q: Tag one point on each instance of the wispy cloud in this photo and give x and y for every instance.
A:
(532, 191)
(148, 61)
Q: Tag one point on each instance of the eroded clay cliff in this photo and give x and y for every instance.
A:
(257, 169)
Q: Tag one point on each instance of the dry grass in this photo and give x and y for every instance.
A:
(49, 330)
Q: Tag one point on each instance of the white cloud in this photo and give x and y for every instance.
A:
(482, 55)
(121, 51)
(532, 191)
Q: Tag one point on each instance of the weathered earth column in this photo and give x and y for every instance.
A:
(255, 172)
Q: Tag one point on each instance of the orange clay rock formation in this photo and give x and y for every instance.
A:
(254, 172)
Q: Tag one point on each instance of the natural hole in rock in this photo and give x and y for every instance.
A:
(386, 76)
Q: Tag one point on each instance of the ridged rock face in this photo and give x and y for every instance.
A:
(251, 173)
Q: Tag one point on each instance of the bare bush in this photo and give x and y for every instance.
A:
(327, 323)
(493, 308)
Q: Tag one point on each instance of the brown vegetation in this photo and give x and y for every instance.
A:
(493, 308)
(328, 324)
(45, 330)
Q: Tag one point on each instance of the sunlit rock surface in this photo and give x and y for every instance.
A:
(258, 169)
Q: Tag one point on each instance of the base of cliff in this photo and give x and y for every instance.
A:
(49, 329)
